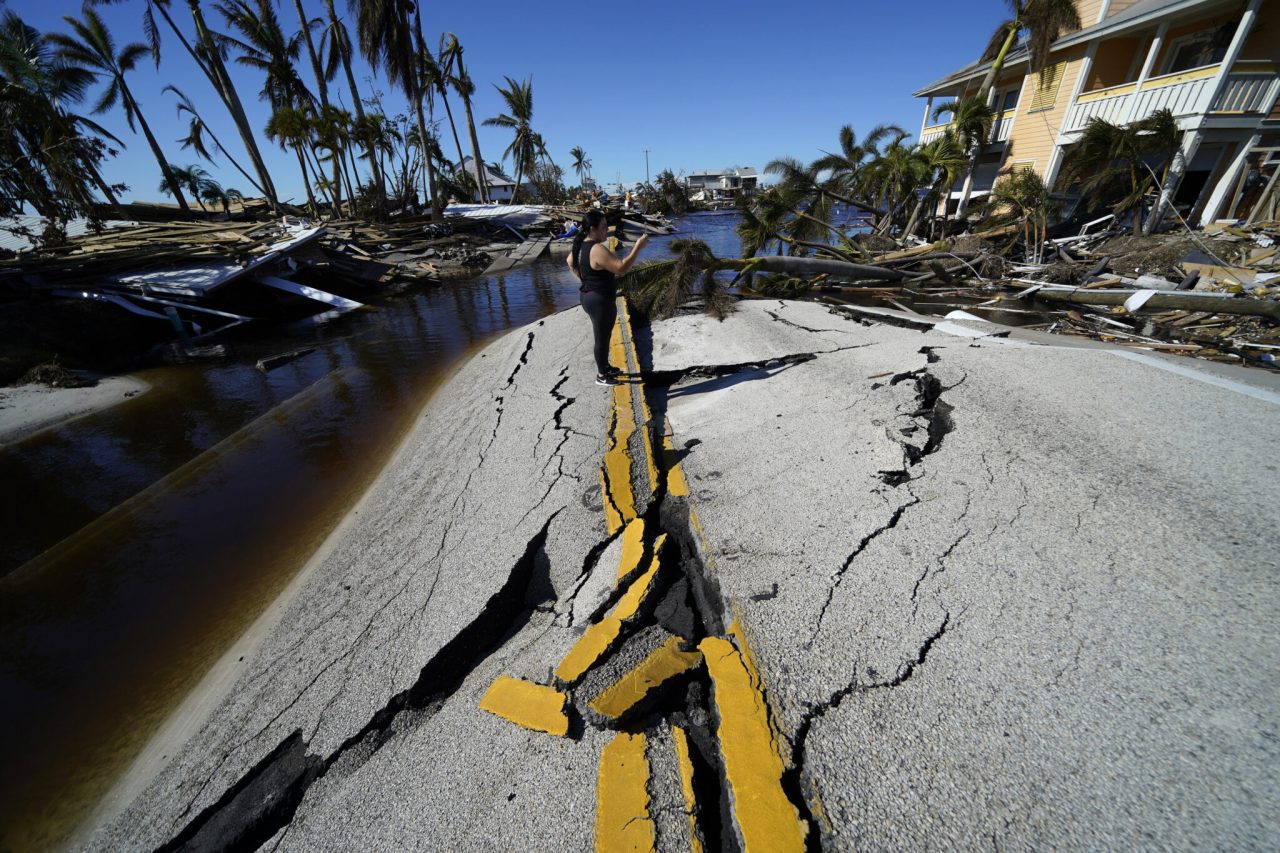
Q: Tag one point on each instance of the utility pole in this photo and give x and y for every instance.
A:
(646, 165)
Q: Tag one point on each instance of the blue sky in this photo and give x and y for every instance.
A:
(701, 84)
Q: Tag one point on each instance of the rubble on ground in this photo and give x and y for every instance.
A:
(1212, 294)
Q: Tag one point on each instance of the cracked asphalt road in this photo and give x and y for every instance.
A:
(997, 594)
(1054, 628)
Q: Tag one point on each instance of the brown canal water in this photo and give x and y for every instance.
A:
(139, 543)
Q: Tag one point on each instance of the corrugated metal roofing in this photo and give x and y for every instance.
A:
(16, 242)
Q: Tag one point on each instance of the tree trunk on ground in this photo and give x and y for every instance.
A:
(1170, 301)
(814, 266)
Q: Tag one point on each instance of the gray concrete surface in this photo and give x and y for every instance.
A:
(1056, 630)
(999, 593)
(502, 470)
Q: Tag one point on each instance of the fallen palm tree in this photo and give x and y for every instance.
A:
(657, 289)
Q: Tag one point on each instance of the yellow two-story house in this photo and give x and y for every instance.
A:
(1214, 63)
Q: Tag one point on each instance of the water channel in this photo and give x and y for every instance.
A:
(138, 544)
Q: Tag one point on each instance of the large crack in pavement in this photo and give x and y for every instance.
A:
(265, 798)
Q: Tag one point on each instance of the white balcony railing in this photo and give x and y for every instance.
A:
(1248, 89)
(931, 133)
(1001, 129)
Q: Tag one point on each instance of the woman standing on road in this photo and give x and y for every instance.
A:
(598, 268)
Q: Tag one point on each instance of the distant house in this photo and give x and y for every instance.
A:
(722, 184)
(1215, 64)
(501, 187)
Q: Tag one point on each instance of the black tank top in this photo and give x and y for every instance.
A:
(593, 280)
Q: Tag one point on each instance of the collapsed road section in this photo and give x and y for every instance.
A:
(816, 582)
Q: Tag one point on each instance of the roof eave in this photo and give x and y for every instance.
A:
(939, 87)
(1110, 28)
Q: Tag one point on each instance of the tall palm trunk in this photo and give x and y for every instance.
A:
(414, 84)
(216, 71)
(306, 181)
(351, 184)
(519, 172)
(322, 89)
(481, 182)
(374, 165)
(174, 186)
(103, 186)
(453, 127)
(998, 63)
(914, 219)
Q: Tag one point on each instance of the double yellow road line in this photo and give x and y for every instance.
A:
(750, 747)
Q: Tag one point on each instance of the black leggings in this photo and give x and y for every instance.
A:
(603, 311)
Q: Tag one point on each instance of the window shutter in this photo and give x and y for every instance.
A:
(1047, 87)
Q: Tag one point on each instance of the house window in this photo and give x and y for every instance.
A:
(1010, 101)
(1208, 47)
(1047, 87)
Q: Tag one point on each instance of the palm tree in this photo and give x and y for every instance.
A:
(944, 161)
(48, 157)
(892, 177)
(1023, 194)
(1043, 21)
(94, 50)
(461, 82)
(581, 164)
(338, 40)
(1113, 162)
(196, 131)
(331, 128)
(439, 74)
(195, 179)
(209, 59)
(264, 47)
(322, 80)
(523, 149)
(843, 169)
(971, 119)
(388, 38)
(290, 127)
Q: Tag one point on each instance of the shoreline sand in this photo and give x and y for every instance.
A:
(27, 410)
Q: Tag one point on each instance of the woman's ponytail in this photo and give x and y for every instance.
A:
(589, 222)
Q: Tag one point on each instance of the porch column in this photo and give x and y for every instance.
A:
(1131, 105)
(1191, 143)
(1055, 164)
(1229, 180)
(928, 108)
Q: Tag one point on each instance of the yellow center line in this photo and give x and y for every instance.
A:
(662, 664)
(622, 797)
(767, 820)
(534, 706)
(596, 641)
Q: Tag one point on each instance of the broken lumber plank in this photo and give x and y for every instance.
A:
(1179, 300)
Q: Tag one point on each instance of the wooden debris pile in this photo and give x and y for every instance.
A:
(1213, 294)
